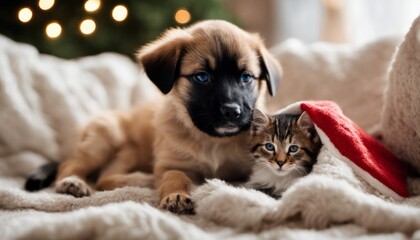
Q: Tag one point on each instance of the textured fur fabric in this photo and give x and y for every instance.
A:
(401, 114)
(43, 100)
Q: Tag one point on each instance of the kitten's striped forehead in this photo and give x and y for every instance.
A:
(283, 125)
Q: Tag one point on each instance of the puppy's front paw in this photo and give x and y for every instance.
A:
(74, 186)
(178, 203)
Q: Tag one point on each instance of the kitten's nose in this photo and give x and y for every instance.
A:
(230, 111)
(280, 163)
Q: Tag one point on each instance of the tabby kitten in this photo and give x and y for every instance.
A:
(284, 148)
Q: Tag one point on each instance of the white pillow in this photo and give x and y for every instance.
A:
(353, 76)
(401, 114)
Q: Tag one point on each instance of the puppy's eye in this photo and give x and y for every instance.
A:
(293, 148)
(246, 77)
(201, 77)
(270, 147)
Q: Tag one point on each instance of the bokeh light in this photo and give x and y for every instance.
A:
(182, 16)
(53, 30)
(88, 26)
(46, 4)
(119, 13)
(92, 5)
(25, 14)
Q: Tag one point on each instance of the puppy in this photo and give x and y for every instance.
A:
(211, 75)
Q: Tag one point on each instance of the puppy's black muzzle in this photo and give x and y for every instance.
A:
(230, 111)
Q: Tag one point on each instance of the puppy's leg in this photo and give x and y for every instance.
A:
(72, 178)
(135, 179)
(127, 160)
(96, 146)
(174, 192)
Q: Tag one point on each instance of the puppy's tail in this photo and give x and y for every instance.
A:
(42, 177)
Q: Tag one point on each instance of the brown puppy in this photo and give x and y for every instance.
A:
(212, 74)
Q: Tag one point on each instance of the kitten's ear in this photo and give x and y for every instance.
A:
(160, 59)
(306, 124)
(259, 122)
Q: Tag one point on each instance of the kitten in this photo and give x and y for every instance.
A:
(284, 148)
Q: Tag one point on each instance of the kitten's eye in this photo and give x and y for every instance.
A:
(293, 148)
(246, 77)
(201, 77)
(269, 146)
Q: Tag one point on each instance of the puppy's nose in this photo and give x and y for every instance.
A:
(230, 111)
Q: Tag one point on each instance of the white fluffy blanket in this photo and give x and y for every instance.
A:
(44, 100)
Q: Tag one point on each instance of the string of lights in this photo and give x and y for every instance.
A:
(88, 26)
(76, 28)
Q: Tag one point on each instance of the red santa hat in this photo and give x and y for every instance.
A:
(367, 156)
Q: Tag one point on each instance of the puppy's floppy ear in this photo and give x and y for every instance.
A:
(270, 69)
(161, 58)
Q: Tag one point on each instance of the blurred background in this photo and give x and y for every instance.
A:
(74, 28)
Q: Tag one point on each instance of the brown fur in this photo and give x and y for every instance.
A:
(160, 136)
